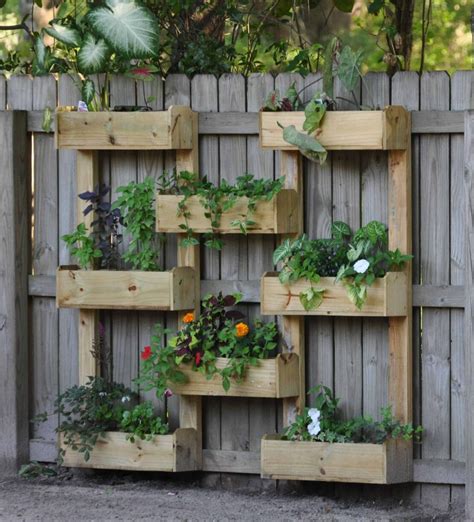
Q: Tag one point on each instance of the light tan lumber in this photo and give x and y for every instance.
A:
(291, 167)
(341, 130)
(127, 290)
(174, 452)
(272, 378)
(387, 463)
(400, 328)
(156, 130)
(190, 408)
(87, 178)
(277, 216)
(386, 297)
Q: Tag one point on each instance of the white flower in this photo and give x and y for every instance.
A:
(125, 399)
(82, 106)
(314, 427)
(102, 394)
(361, 266)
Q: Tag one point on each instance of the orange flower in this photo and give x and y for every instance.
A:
(188, 318)
(241, 329)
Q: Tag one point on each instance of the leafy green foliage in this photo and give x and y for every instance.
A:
(136, 204)
(348, 70)
(354, 259)
(89, 410)
(82, 247)
(36, 469)
(217, 332)
(218, 199)
(331, 428)
(142, 423)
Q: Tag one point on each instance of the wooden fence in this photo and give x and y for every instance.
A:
(347, 354)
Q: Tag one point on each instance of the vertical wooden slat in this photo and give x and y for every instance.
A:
(375, 91)
(123, 170)
(347, 331)
(469, 310)
(262, 414)
(235, 411)
(177, 92)
(318, 220)
(460, 100)
(205, 98)
(44, 357)
(14, 268)
(434, 223)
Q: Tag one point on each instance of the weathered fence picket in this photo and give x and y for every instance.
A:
(348, 354)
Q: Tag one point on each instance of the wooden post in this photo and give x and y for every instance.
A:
(190, 407)
(87, 177)
(14, 268)
(469, 310)
(400, 375)
(293, 326)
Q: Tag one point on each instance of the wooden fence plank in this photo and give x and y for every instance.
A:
(44, 358)
(14, 268)
(469, 323)
(235, 412)
(460, 99)
(434, 258)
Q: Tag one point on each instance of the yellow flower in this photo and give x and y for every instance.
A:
(188, 318)
(241, 329)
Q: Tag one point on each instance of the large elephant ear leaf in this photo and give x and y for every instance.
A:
(130, 30)
(93, 55)
(66, 35)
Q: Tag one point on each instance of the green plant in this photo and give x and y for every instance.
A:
(355, 260)
(321, 423)
(90, 410)
(36, 469)
(217, 332)
(111, 36)
(142, 423)
(82, 246)
(218, 199)
(138, 215)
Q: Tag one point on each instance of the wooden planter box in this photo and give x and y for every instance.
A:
(132, 290)
(387, 297)
(342, 130)
(272, 378)
(174, 452)
(164, 130)
(388, 463)
(277, 216)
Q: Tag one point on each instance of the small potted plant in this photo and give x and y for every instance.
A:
(348, 274)
(130, 280)
(187, 204)
(321, 446)
(218, 353)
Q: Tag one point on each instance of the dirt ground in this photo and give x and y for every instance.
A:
(103, 497)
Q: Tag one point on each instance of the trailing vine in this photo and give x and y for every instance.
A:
(216, 200)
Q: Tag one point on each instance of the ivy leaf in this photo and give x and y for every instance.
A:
(348, 70)
(311, 298)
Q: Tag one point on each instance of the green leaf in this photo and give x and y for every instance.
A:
(88, 91)
(340, 230)
(311, 298)
(47, 119)
(348, 70)
(314, 113)
(66, 35)
(328, 70)
(40, 53)
(309, 146)
(130, 29)
(93, 55)
(345, 6)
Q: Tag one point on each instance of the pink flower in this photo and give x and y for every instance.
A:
(168, 393)
(146, 354)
